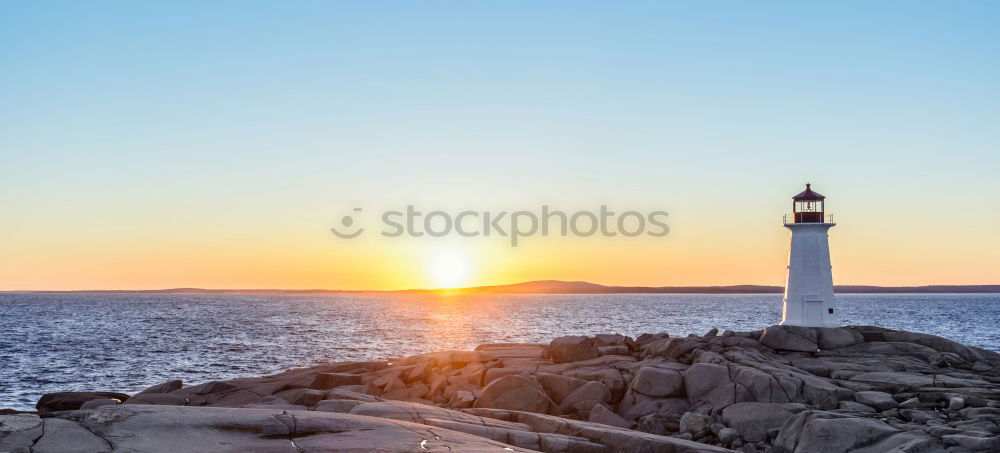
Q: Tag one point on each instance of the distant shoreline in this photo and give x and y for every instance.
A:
(564, 287)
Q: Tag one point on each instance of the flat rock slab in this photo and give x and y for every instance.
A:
(64, 436)
(172, 429)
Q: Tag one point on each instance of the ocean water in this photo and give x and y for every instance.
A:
(124, 342)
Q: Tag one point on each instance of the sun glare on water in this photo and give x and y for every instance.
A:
(449, 268)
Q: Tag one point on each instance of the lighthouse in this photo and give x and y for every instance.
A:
(809, 297)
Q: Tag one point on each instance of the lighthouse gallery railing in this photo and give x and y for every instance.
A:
(790, 218)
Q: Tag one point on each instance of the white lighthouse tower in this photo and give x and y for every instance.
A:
(809, 289)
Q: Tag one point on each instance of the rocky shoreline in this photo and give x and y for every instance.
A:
(783, 389)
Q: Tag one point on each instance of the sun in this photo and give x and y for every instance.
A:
(449, 268)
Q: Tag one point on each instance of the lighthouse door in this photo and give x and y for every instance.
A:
(814, 310)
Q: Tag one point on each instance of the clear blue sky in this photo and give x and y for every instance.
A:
(186, 121)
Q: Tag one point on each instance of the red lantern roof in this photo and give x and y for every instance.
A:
(808, 194)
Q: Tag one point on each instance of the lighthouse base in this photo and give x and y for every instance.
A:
(817, 320)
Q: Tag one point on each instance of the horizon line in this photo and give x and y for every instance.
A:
(558, 287)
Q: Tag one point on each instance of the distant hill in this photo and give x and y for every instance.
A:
(563, 287)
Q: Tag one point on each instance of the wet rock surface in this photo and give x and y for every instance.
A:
(783, 389)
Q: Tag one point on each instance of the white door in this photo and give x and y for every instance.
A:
(814, 310)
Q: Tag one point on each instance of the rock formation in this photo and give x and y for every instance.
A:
(780, 390)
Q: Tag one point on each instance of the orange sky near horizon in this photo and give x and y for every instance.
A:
(144, 254)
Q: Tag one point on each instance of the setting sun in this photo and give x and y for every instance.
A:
(449, 268)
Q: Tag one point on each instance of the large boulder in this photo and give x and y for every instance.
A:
(559, 386)
(516, 393)
(837, 337)
(583, 399)
(69, 401)
(709, 386)
(658, 382)
(756, 385)
(572, 349)
(790, 338)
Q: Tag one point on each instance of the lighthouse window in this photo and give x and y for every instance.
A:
(808, 206)
(829, 310)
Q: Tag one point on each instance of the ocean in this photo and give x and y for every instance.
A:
(125, 342)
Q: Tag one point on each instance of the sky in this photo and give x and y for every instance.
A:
(214, 144)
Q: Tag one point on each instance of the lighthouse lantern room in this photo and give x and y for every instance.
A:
(809, 299)
(808, 206)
